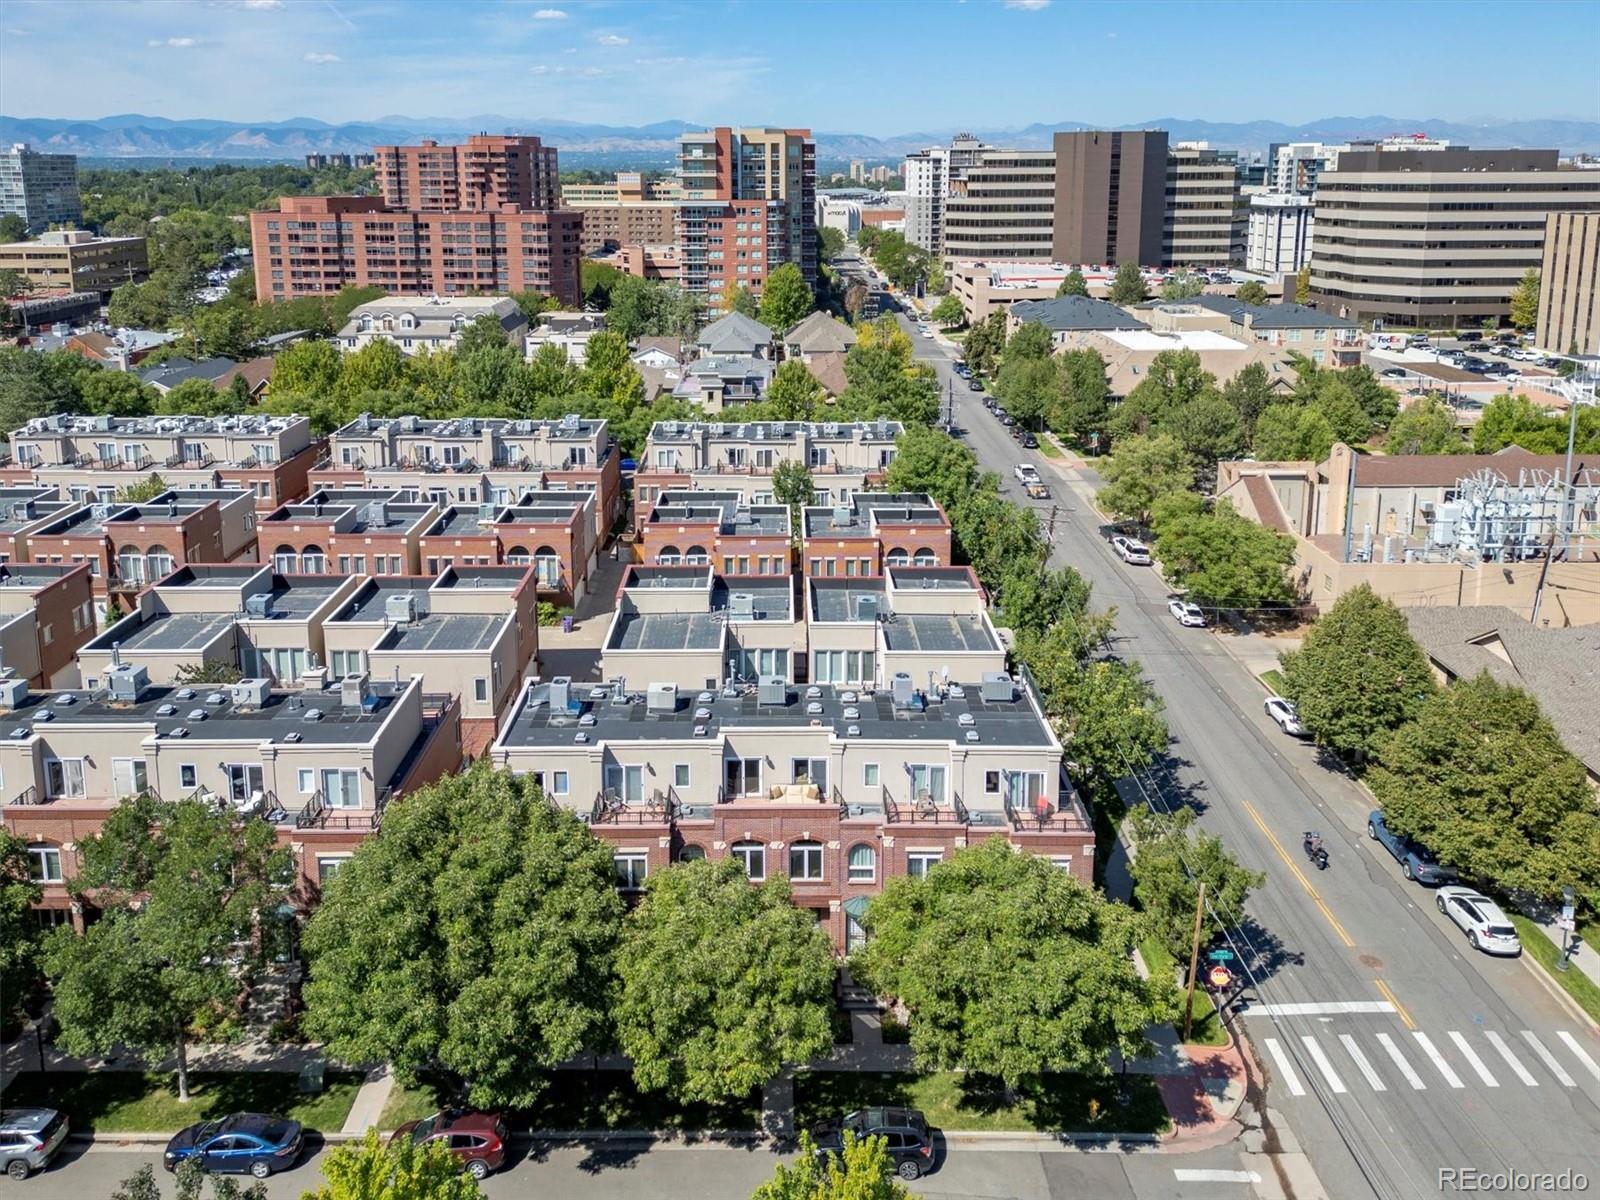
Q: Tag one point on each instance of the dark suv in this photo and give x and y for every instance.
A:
(478, 1139)
(905, 1130)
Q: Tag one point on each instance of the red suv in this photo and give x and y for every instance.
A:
(478, 1139)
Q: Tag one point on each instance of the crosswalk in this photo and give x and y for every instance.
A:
(1383, 1061)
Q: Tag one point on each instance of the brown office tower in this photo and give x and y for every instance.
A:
(1111, 197)
(481, 175)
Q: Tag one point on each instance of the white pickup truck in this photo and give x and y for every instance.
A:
(1026, 473)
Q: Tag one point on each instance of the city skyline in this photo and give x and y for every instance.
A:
(607, 63)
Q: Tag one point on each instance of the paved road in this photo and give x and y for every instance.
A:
(726, 1173)
(1474, 1063)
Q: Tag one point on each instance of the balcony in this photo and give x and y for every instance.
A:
(317, 814)
(192, 462)
(925, 809)
(660, 808)
(26, 797)
(1043, 817)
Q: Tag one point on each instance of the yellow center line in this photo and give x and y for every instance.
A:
(1295, 870)
(1399, 1008)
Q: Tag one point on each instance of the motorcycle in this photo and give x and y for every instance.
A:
(1315, 851)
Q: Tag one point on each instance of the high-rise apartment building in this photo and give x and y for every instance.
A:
(1110, 195)
(42, 189)
(1002, 206)
(747, 207)
(1569, 284)
(1293, 167)
(1278, 241)
(927, 177)
(1436, 238)
(1205, 223)
(629, 211)
(482, 174)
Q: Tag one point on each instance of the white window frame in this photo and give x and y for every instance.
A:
(680, 775)
(56, 768)
(748, 853)
(870, 775)
(633, 868)
(853, 873)
(920, 862)
(560, 783)
(188, 776)
(812, 852)
(41, 856)
(306, 780)
(138, 777)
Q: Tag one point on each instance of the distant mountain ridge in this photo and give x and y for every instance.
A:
(134, 135)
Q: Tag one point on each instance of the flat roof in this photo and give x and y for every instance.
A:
(282, 715)
(689, 577)
(25, 575)
(947, 579)
(367, 604)
(298, 596)
(1002, 722)
(938, 633)
(770, 600)
(450, 632)
(482, 578)
(835, 599)
(15, 516)
(165, 631)
(667, 631)
(1185, 339)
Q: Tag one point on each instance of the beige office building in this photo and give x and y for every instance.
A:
(1569, 284)
(75, 260)
(1205, 222)
(1004, 206)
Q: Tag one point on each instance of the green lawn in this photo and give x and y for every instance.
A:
(1273, 680)
(953, 1101)
(1576, 984)
(1208, 1029)
(146, 1102)
(1048, 448)
(591, 1100)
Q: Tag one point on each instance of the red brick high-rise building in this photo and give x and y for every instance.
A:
(481, 175)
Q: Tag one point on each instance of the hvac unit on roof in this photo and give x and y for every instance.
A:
(772, 689)
(126, 682)
(997, 687)
(250, 693)
(866, 608)
(400, 608)
(258, 604)
(901, 690)
(742, 606)
(13, 692)
(661, 698)
(355, 691)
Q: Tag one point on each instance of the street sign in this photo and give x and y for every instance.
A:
(1567, 923)
(1219, 976)
(1568, 912)
(1221, 955)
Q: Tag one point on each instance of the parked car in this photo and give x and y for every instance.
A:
(1029, 442)
(478, 1139)
(926, 332)
(910, 1141)
(974, 385)
(255, 1142)
(1486, 927)
(1395, 372)
(1131, 550)
(1188, 615)
(1007, 419)
(29, 1139)
(1026, 473)
(1416, 860)
(1283, 712)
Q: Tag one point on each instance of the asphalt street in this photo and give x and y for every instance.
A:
(1408, 1053)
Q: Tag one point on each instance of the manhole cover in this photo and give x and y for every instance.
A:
(1373, 961)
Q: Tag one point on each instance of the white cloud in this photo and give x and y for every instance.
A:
(1027, 5)
(315, 56)
(261, 5)
(549, 14)
(541, 69)
(611, 39)
(594, 72)
(181, 43)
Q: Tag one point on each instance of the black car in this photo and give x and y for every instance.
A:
(910, 1141)
(974, 386)
(1029, 442)
(1007, 419)
(253, 1142)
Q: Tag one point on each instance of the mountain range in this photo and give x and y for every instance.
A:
(133, 135)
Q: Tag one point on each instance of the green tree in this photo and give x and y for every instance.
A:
(931, 461)
(141, 1185)
(740, 299)
(1292, 433)
(117, 394)
(608, 372)
(937, 283)
(178, 883)
(948, 311)
(14, 282)
(308, 368)
(1031, 341)
(599, 281)
(1249, 391)
(722, 983)
(1084, 403)
(18, 928)
(786, 299)
(481, 331)
(1226, 560)
(1127, 286)
(197, 398)
(143, 491)
(12, 229)
(984, 342)
(1173, 858)
(1009, 966)
(1140, 471)
(37, 383)
(1027, 387)
(1481, 777)
(794, 393)
(864, 1171)
(1074, 284)
(883, 380)
(535, 304)
(551, 374)
(379, 366)
(830, 243)
(475, 935)
(1032, 600)
(1173, 379)
(1302, 286)
(1525, 301)
(1342, 410)
(792, 485)
(1359, 675)
(641, 307)
(1517, 421)
(1208, 428)
(1253, 292)
(1185, 285)
(400, 1170)
(1425, 426)
(996, 536)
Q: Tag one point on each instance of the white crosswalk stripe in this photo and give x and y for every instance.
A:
(1285, 1068)
(1472, 1057)
(1314, 1049)
(1583, 1055)
(1499, 1043)
(1549, 1060)
(1432, 1052)
(1360, 1059)
(1400, 1062)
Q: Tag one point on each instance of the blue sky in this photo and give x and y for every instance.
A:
(870, 66)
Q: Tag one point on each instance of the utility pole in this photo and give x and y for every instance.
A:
(1051, 535)
(1194, 962)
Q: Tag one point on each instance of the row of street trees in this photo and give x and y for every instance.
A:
(1474, 770)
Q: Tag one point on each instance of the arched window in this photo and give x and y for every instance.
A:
(158, 562)
(897, 558)
(691, 853)
(518, 556)
(925, 557)
(696, 556)
(44, 863)
(805, 860)
(313, 560)
(753, 857)
(284, 560)
(130, 565)
(366, 323)
(668, 556)
(863, 863)
(547, 567)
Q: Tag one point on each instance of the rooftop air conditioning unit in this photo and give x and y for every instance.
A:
(258, 604)
(997, 688)
(354, 692)
(312, 714)
(560, 694)
(901, 690)
(742, 606)
(377, 513)
(251, 693)
(13, 692)
(772, 689)
(662, 698)
(400, 608)
(841, 516)
(126, 682)
(866, 608)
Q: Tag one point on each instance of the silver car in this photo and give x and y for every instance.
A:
(29, 1139)
(1486, 927)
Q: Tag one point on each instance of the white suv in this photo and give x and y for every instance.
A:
(1132, 550)
(1026, 473)
(1283, 712)
(1187, 614)
(1487, 928)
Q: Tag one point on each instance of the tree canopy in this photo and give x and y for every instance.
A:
(864, 1171)
(1425, 426)
(1008, 966)
(1127, 286)
(1173, 858)
(18, 929)
(1224, 559)
(1140, 471)
(931, 461)
(1525, 301)
(400, 1170)
(1252, 291)
(786, 299)
(794, 393)
(1074, 284)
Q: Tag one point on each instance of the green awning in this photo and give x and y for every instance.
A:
(856, 906)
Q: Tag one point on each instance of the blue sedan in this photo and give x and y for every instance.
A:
(244, 1142)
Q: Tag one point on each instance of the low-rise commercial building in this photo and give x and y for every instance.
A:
(428, 323)
(75, 260)
(1325, 339)
(1569, 285)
